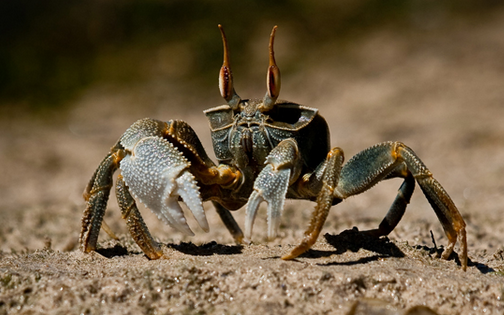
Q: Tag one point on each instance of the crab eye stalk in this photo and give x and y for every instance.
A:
(226, 77)
(273, 81)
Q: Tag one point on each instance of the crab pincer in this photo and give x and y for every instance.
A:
(157, 175)
(282, 168)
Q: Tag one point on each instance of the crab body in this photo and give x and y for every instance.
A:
(245, 139)
(267, 150)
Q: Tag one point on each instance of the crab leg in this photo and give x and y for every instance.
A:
(390, 155)
(325, 200)
(136, 225)
(394, 159)
(96, 196)
(229, 222)
(398, 207)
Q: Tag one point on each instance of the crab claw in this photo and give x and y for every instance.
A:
(270, 186)
(157, 174)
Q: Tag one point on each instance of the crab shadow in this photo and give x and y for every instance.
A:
(116, 251)
(189, 248)
(207, 249)
(354, 240)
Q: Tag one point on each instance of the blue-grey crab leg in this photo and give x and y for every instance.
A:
(398, 207)
(282, 168)
(390, 156)
(394, 159)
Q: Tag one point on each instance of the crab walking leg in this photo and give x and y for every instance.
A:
(96, 195)
(388, 159)
(283, 166)
(398, 207)
(448, 215)
(393, 154)
(86, 196)
(229, 222)
(108, 230)
(136, 225)
(324, 202)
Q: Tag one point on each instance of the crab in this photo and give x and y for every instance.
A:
(267, 150)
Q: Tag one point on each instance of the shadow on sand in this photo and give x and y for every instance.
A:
(207, 249)
(354, 240)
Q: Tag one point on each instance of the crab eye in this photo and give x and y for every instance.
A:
(273, 81)
(226, 77)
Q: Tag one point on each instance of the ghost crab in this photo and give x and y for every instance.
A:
(267, 150)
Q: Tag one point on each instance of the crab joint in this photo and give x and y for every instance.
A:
(222, 175)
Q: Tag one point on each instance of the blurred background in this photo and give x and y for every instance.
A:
(75, 74)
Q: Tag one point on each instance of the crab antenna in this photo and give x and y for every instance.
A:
(273, 81)
(226, 77)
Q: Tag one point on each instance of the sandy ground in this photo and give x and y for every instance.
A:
(441, 92)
